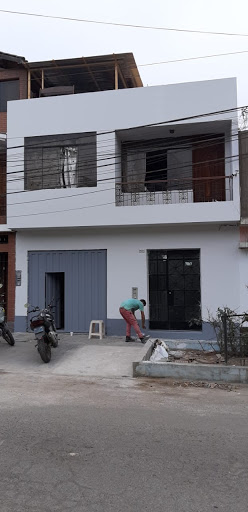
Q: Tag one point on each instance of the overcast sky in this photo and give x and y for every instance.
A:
(44, 39)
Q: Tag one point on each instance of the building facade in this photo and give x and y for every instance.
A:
(20, 79)
(121, 193)
(13, 86)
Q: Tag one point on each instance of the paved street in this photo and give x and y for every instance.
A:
(69, 443)
(76, 355)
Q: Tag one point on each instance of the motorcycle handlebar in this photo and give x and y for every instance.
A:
(34, 310)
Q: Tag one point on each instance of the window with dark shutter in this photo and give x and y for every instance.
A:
(9, 90)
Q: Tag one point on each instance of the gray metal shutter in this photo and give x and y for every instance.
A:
(85, 293)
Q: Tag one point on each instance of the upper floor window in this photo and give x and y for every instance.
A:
(195, 163)
(60, 161)
(9, 90)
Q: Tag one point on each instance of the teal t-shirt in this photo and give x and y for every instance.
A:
(132, 304)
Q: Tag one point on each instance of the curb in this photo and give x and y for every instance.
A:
(187, 371)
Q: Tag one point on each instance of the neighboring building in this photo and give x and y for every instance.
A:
(13, 86)
(243, 258)
(20, 79)
(127, 192)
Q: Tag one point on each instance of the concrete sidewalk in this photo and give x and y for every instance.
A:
(75, 355)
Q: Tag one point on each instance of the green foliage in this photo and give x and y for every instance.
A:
(237, 334)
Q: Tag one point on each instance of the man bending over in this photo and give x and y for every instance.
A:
(127, 311)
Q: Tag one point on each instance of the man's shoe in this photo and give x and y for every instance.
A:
(144, 339)
(128, 338)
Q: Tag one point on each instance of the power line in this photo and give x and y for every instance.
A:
(53, 73)
(62, 211)
(115, 159)
(192, 58)
(126, 25)
(203, 179)
(148, 125)
(185, 165)
(147, 141)
(160, 144)
(122, 181)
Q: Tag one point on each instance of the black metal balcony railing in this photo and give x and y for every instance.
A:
(198, 190)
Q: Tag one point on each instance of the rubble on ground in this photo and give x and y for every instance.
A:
(195, 357)
(162, 353)
(204, 384)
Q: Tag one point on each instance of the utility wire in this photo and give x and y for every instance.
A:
(166, 143)
(126, 25)
(148, 125)
(112, 157)
(132, 161)
(121, 180)
(54, 73)
(115, 159)
(94, 163)
(192, 58)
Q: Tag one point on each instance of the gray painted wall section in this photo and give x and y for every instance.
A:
(117, 327)
(85, 284)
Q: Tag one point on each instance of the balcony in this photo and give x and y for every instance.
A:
(197, 190)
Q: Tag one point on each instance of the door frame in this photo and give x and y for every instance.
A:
(198, 327)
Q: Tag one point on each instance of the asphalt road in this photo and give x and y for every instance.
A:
(71, 444)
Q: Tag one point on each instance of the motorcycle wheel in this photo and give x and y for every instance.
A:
(53, 337)
(45, 351)
(8, 336)
(55, 343)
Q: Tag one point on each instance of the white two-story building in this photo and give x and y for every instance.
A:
(121, 193)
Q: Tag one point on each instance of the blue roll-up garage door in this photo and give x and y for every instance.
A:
(75, 280)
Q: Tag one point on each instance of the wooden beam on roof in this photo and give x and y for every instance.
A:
(59, 68)
(29, 84)
(37, 80)
(42, 66)
(122, 77)
(116, 76)
(92, 74)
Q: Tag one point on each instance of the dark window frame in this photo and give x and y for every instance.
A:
(42, 160)
(147, 146)
(10, 93)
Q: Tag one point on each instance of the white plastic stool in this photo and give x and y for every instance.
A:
(101, 331)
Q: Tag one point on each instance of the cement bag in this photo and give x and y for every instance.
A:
(159, 354)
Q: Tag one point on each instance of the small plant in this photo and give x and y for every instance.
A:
(237, 334)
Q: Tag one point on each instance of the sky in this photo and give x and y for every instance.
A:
(44, 39)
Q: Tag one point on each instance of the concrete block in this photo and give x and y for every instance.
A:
(216, 373)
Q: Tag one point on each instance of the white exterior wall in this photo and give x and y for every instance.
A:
(127, 267)
(243, 266)
(105, 112)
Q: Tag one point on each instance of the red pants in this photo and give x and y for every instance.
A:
(131, 321)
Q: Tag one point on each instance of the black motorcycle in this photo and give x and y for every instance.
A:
(4, 330)
(43, 326)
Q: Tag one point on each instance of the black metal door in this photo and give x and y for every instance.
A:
(174, 289)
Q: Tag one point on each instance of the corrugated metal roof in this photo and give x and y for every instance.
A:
(17, 59)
